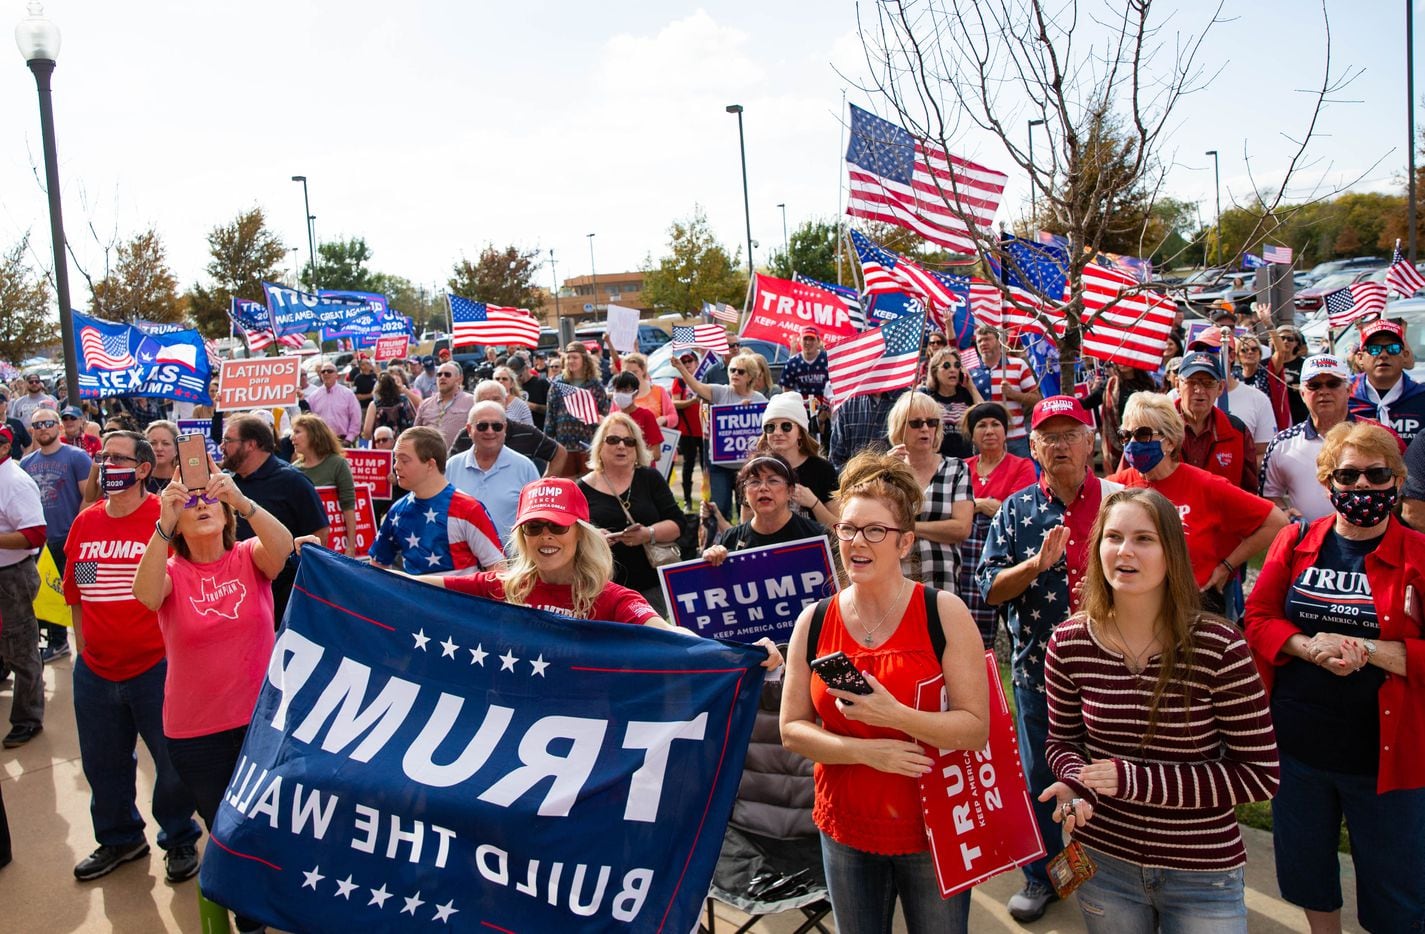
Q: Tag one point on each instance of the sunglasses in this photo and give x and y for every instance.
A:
(1141, 435)
(737, 371)
(688, 359)
(1394, 348)
(922, 422)
(489, 426)
(1324, 384)
(537, 527)
(44, 423)
(774, 427)
(197, 498)
(620, 439)
(1347, 476)
(950, 365)
(328, 372)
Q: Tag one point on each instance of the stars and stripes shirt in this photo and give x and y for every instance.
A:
(990, 381)
(449, 532)
(1213, 746)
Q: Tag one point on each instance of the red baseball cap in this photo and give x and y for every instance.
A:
(554, 500)
(1381, 326)
(1055, 406)
(444, 353)
(7, 433)
(810, 331)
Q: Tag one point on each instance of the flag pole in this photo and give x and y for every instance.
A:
(841, 189)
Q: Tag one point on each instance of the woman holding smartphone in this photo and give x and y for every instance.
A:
(869, 749)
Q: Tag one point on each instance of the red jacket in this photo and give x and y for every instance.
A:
(1398, 561)
(1225, 448)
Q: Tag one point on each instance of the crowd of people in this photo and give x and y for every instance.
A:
(1099, 540)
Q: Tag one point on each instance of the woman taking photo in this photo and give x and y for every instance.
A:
(1158, 727)
(868, 748)
(995, 474)
(766, 485)
(1336, 626)
(580, 372)
(786, 433)
(162, 436)
(213, 596)
(744, 372)
(944, 520)
(650, 396)
(317, 452)
(948, 384)
(630, 501)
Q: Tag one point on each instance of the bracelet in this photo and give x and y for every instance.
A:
(250, 513)
(1228, 565)
(166, 536)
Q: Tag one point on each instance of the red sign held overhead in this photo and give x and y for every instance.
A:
(372, 468)
(392, 347)
(781, 308)
(336, 522)
(259, 383)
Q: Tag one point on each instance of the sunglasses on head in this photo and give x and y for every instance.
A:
(773, 427)
(537, 527)
(1141, 435)
(489, 426)
(1347, 476)
(922, 422)
(1321, 384)
(1394, 348)
(620, 439)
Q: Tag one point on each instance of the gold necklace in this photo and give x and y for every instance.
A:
(870, 635)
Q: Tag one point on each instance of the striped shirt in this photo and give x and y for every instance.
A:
(990, 381)
(1174, 808)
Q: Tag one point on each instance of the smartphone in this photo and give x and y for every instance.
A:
(193, 461)
(837, 671)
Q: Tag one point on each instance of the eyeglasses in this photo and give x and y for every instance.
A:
(874, 534)
(1141, 435)
(537, 527)
(1324, 384)
(384, 441)
(1054, 439)
(950, 365)
(774, 427)
(328, 372)
(1394, 348)
(445, 376)
(69, 418)
(936, 342)
(620, 439)
(1347, 476)
(688, 359)
(489, 426)
(1289, 340)
(228, 441)
(102, 459)
(770, 483)
(34, 379)
(44, 423)
(197, 498)
(736, 371)
(922, 422)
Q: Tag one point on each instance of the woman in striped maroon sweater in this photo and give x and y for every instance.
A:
(1158, 726)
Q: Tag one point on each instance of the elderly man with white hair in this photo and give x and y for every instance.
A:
(490, 471)
(548, 455)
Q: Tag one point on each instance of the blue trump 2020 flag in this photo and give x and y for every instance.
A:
(424, 760)
(115, 359)
(294, 312)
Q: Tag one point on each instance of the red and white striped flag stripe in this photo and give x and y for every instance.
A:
(1402, 278)
(883, 359)
(97, 354)
(725, 312)
(580, 403)
(986, 303)
(1134, 331)
(969, 359)
(707, 336)
(1355, 303)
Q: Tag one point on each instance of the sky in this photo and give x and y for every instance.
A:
(432, 129)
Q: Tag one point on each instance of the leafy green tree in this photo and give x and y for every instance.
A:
(141, 284)
(811, 251)
(342, 264)
(697, 269)
(26, 322)
(245, 254)
(498, 277)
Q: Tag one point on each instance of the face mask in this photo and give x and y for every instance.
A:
(623, 400)
(118, 479)
(1143, 456)
(1364, 508)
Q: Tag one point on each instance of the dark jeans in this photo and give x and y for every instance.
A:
(205, 765)
(723, 480)
(1032, 721)
(20, 642)
(864, 888)
(691, 451)
(55, 634)
(110, 717)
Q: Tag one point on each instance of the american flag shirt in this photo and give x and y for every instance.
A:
(448, 533)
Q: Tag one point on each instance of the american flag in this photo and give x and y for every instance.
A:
(1276, 254)
(479, 323)
(851, 297)
(1134, 331)
(885, 271)
(721, 311)
(1355, 303)
(708, 336)
(912, 184)
(883, 359)
(261, 340)
(969, 359)
(105, 351)
(106, 581)
(1402, 278)
(986, 303)
(580, 403)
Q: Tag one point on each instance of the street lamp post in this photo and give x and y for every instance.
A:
(746, 201)
(38, 40)
(554, 277)
(1033, 198)
(786, 244)
(1217, 190)
(311, 237)
(593, 277)
(1410, 121)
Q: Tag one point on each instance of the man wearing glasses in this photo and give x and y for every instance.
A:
(449, 409)
(490, 471)
(22, 535)
(61, 471)
(34, 398)
(336, 405)
(1383, 391)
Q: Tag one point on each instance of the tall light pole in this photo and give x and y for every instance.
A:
(746, 201)
(1410, 119)
(786, 244)
(593, 276)
(38, 40)
(1033, 198)
(554, 277)
(311, 237)
(1217, 190)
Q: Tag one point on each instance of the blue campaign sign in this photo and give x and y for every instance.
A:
(892, 306)
(753, 593)
(419, 757)
(706, 364)
(732, 431)
(294, 312)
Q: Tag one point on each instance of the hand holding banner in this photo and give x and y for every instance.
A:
(623, 328)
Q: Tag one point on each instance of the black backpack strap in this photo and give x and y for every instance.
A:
(932, 621)
(818, 617)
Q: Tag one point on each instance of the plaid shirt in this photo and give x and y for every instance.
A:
(939, 563)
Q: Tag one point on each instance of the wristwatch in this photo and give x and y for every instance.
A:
(1370, 647)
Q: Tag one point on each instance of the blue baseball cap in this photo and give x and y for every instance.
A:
(1200, 361)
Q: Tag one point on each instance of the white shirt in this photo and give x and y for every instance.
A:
(1289, 471)
(1253, 407)
(20, 508)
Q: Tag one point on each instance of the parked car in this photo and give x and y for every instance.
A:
(661, 371)
(1310, 299)
(1210, 286)
(650, 336)
(1331, 267)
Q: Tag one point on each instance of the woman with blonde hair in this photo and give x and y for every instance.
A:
(869, 748)
(162, 436)
(1158, 727)
(947, 382)
(916, 431)
(516, 409)
(650, 395)
(745, 373)
(317, 452)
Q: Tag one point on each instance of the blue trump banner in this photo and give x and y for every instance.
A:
(753, 593)
(892, 306)
(732, 431)
(122, 360)
(250, 315)
(294, 312)
(427, 758)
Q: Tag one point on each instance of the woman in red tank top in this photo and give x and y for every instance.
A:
(868, 748)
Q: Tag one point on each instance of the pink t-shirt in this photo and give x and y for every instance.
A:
(217, 627)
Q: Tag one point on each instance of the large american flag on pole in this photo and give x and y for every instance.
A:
(708, 336)
(885, 272)
(1134, 330)
(479, 323)
(1402, 278)
(1355, 303)
(261, 340)
(883, 359)
(900, 180)
(580, 403)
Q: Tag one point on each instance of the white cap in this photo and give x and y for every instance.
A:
(1324, 363)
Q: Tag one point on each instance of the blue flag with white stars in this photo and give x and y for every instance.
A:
(881, 147)
(424, 760)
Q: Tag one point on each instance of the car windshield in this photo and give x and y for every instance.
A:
(1337, 281)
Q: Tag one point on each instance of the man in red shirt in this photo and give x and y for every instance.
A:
(73, 421)
(120, 672)
(1214, 441)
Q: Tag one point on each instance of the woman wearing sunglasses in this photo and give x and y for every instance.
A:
(944, 520)
(744, 374)
(786, 432)
(948, 384)
(1335, 622)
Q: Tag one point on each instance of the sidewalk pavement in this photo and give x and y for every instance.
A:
(47, 801)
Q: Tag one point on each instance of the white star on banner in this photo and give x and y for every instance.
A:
(507, 661)
(1050, 597)
(379, 896)
(433, 559)
(412, 903)
(344, 888)
(421, 639)
(312, 878)
(448, 647)
(539, 664)
(443, 912)
(431, 515)
(412, 540)
(478, 655)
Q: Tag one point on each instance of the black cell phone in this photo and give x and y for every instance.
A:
(837, 671)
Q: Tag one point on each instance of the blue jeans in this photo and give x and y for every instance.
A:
(723, 480)
(864, 887)
(1125, 898)
(1032, 723)
(110, 717)
(1386, 845)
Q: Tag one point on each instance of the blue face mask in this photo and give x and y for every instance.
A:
(1143, 456)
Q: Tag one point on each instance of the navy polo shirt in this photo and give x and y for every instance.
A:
(284, 491)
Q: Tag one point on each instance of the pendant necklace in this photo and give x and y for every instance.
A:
(870, 635)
